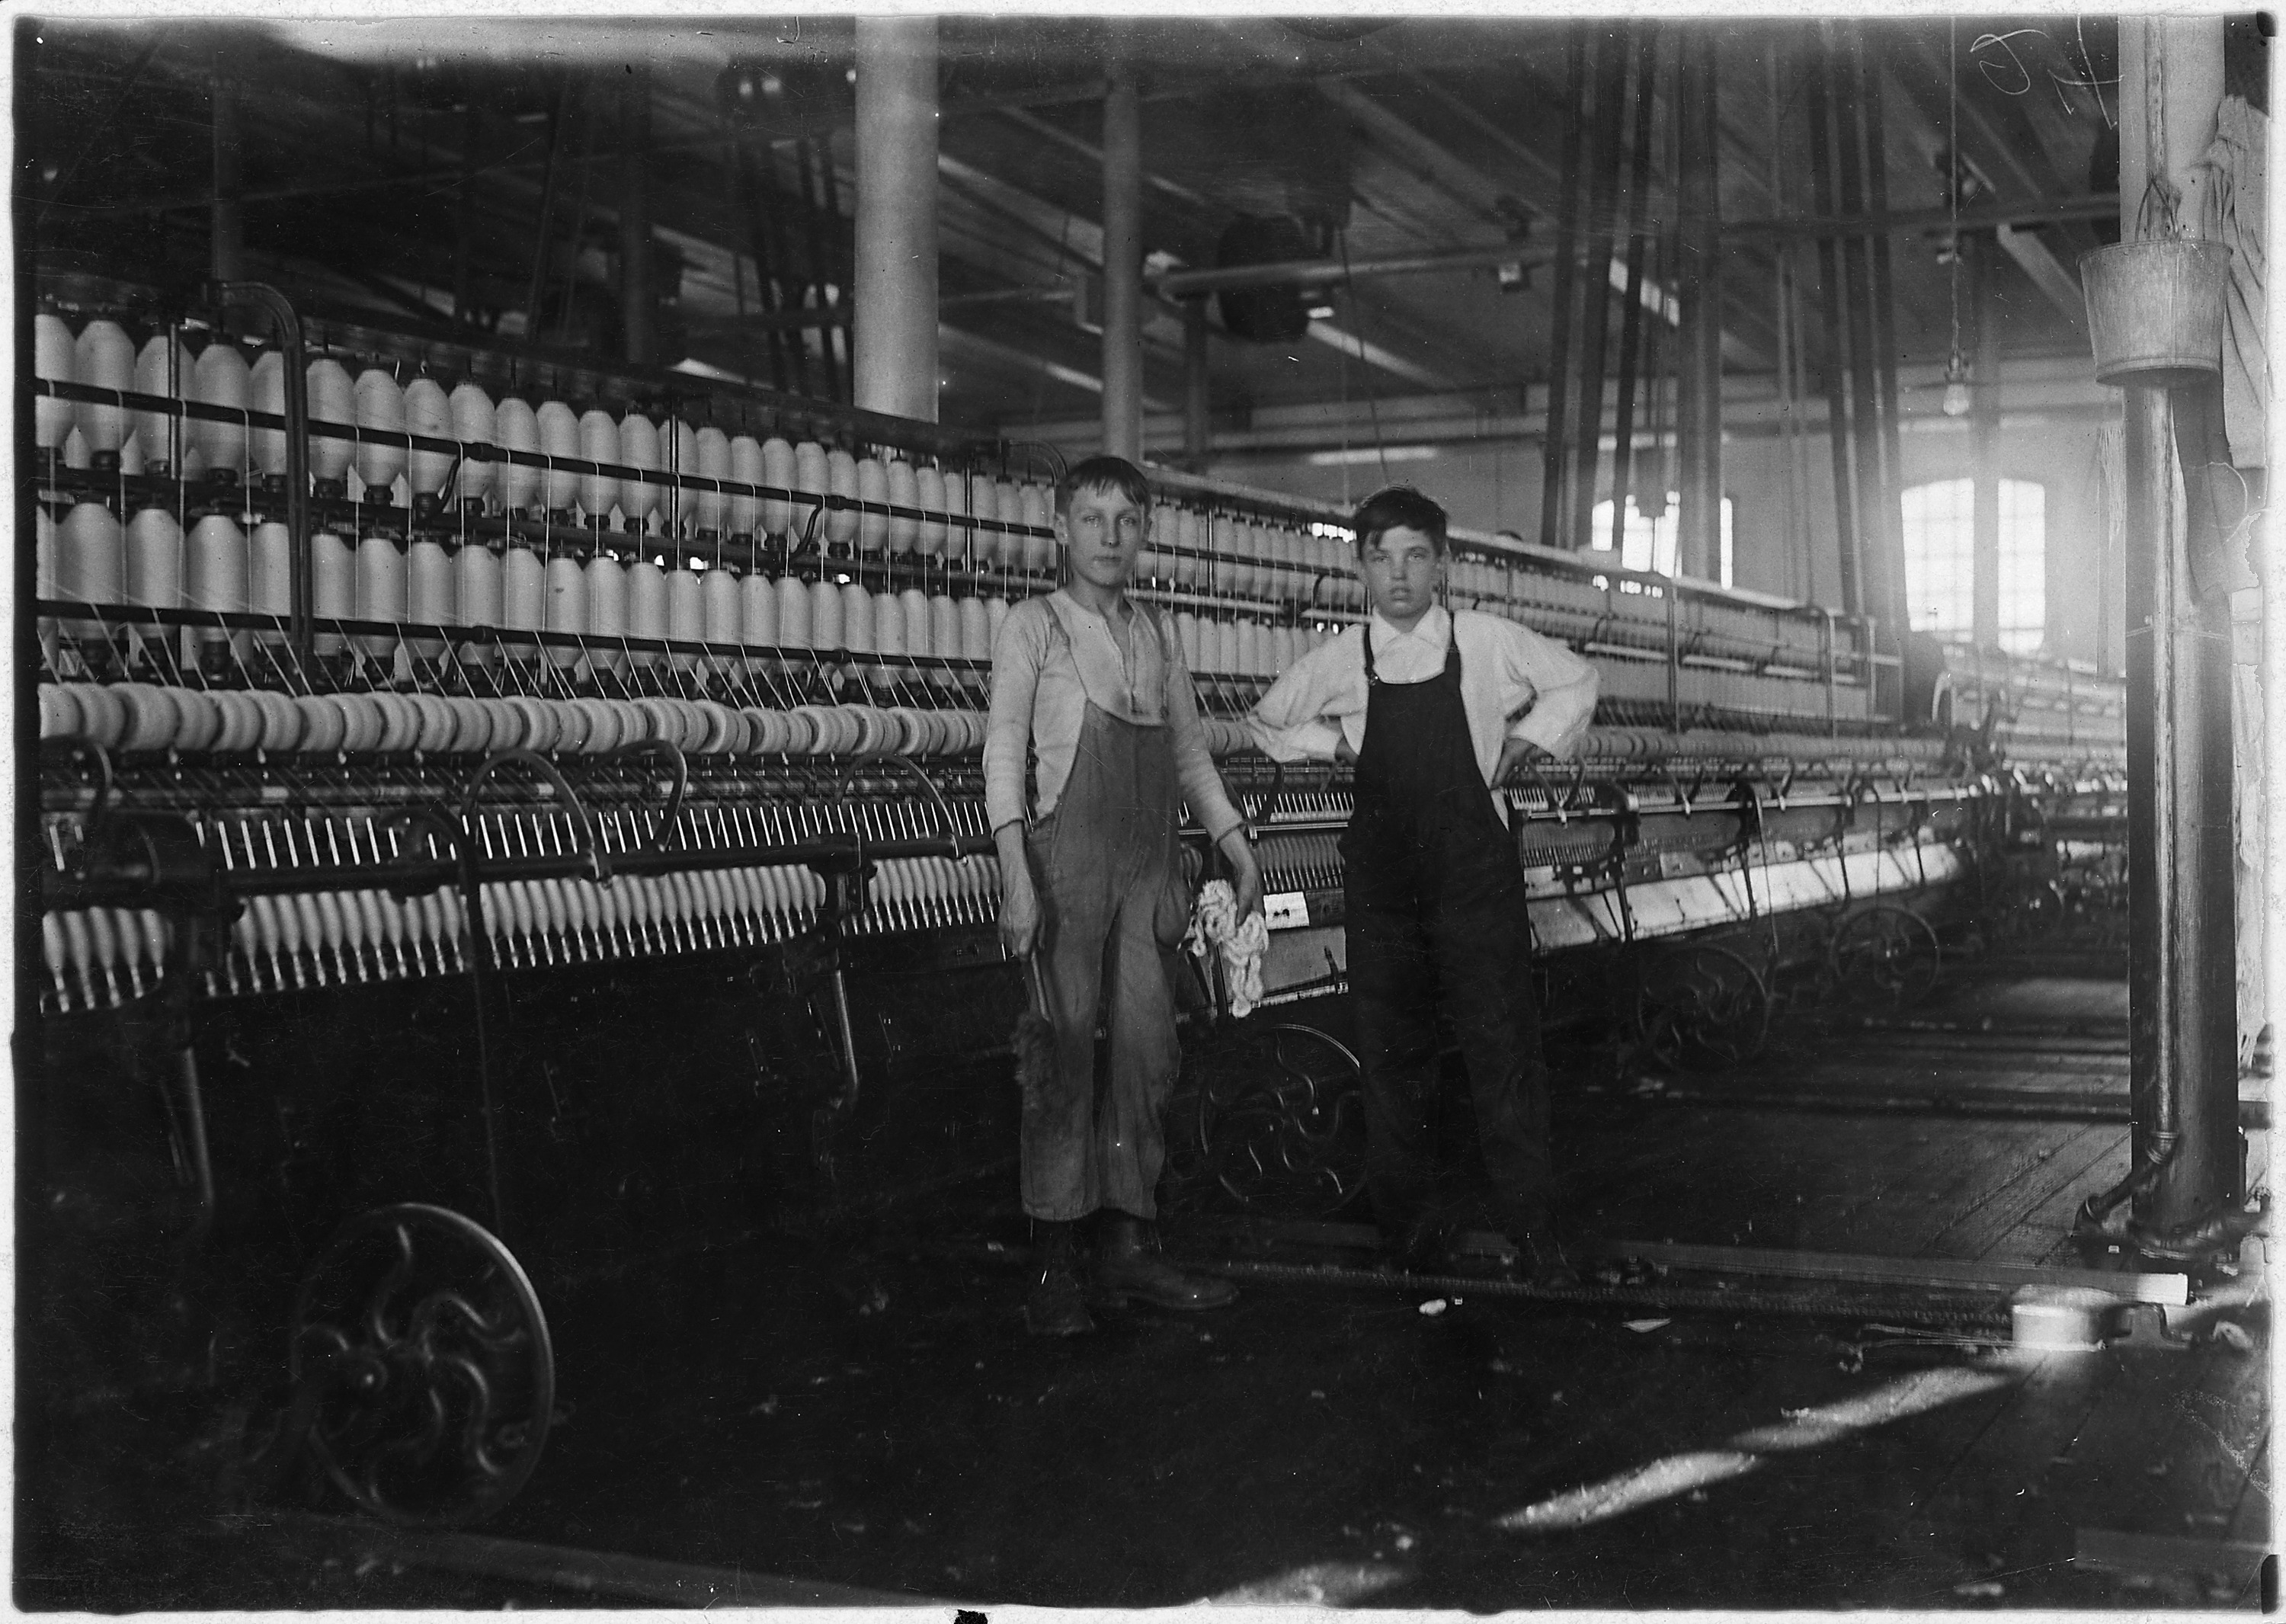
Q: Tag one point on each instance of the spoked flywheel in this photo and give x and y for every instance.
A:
(422, 1362)
(1281, 1121)
(1701, 1007)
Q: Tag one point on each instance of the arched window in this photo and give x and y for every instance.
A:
(1649, 544)
(1939, 561)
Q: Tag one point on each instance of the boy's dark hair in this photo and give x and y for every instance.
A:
(1400, 507)
(1103, 474)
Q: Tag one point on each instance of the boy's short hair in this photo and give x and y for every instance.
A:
(1103, 474)
(1400, 507)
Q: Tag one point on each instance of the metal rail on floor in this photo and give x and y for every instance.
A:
(2025, 1104)
(561, 1568)
(1936, 1274)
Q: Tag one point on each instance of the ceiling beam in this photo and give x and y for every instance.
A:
(1463, 179)
(1927, 107)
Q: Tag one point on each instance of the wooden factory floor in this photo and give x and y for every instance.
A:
(883, 1421)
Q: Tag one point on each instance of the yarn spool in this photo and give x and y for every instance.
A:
(475, 422)
(381, 453)
(428, 412)
(746, 467)
(516, 426)
(559, 438)
(103, 358)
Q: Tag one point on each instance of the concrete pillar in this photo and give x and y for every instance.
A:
(1700, 386)
(894, 361)
(2182, 1054)
(638, 299)
(1123, 265)
(1984, 574)
(1197, 430)
(227, 253)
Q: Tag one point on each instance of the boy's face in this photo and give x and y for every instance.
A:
(1402, 571)
(1103, 532)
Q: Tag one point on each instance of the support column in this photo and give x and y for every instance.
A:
(1123, 265)
(1197, 425)
(227, 254)
(638, 302)
(1700, 385)
(2182, 1053)
(1984, 557)
(894, 360)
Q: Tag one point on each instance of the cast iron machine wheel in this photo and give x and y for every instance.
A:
(1701, 1008)
(1281, 1120)
(421, 1365)
(1886, 956)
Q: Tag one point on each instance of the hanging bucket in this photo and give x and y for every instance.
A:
(2155, 309)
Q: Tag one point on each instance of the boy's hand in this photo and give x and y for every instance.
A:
(1514, 754)
(1019, 911)
(1246, 873)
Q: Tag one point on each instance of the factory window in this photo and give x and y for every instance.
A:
(2023, 565)
(1940, 560)
(1649, 544)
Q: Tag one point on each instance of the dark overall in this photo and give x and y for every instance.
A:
(1436, 917)
(1109, 878)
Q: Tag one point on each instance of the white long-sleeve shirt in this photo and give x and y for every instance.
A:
(1042, 685)
(1515, 683)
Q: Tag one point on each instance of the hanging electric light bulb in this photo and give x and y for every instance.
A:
(1956, 387)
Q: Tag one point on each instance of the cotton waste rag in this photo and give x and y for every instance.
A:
(1216, 927)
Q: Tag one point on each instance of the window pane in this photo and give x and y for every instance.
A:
(1940, 523)
(1649, 545)
(2023, 565)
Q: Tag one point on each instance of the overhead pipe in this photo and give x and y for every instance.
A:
(1637, 205)
(1197, 424)
(464, 221)
(1123, 265)
(1611, 81)
(1334, 272)
(227, 249)
(1553, 448)
(1889, 534)
(1865, 429)
(540, 242)
(1699, 420)
(1835, 358)
(1984, 548)
(638, 295)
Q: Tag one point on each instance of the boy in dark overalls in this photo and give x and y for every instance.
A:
(1091, 876)
(1436, 708)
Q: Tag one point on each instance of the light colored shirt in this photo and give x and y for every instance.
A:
(1042, 684)
(1515, 683)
